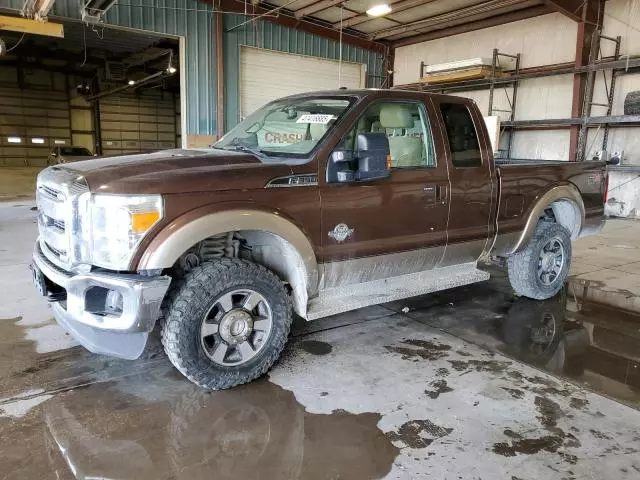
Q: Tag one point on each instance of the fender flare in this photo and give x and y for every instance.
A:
(181, 234)
(568, 193)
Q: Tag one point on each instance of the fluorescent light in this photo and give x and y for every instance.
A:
(131, 82)
(379, 10)
(14, 140)
(37, 140)
(59, 142)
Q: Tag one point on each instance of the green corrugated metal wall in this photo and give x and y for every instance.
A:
(193, 20)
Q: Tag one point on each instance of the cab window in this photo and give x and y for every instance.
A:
(405, 125)
(462, 135)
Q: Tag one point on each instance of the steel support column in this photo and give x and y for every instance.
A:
(389, 61)
(586, 53)
(219, 76)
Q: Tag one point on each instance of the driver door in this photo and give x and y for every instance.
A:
(393, 226)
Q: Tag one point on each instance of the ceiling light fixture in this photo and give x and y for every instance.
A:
(379, 10)
(171, 69)
(132, 82)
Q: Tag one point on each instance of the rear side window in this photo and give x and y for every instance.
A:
(463, 138)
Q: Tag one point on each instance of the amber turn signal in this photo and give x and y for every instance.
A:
(141, 222)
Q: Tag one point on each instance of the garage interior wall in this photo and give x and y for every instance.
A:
(195, 22)
(544, 40)
(35, 115)
(622, 17)
(190, 19)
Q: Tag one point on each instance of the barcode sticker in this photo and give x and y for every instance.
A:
(319, 118)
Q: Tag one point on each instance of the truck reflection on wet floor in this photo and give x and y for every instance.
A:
(593, 345)
(257, 431)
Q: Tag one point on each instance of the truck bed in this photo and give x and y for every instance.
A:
(522, 182)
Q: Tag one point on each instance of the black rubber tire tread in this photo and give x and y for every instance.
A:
(187, 302)
(522, 266)
(632, 103)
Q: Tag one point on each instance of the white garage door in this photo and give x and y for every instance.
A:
(266, 75)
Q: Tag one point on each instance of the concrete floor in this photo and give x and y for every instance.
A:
(606, 267)
(17, 182)
(464, 384)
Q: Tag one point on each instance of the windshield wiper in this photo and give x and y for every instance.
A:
(258, 152)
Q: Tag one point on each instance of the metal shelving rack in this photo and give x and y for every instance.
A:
(588, 101)
(615, 65)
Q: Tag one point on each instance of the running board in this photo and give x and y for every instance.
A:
(342, 299)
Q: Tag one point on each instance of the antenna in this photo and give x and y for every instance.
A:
(340, 58)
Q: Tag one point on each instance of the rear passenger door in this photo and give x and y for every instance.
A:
(396, 225)
(472, 178)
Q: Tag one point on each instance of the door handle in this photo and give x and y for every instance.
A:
(441, 194)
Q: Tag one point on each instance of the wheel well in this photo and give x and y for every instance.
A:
(258, 246)
(567, 214)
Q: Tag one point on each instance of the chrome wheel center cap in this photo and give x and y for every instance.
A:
(236, 326)
(548, 261)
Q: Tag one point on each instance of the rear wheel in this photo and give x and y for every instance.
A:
(226, 323)
(540, 269)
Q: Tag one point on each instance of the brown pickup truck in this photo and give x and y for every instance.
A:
(315, 204)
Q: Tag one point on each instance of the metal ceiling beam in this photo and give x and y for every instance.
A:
(25, 25)
(305, 26)
(436, 20)
(316, 7)
(138, 84)
(570, 8)
(396, 7)
(474, 25)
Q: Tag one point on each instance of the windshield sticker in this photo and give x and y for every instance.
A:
(319, 118)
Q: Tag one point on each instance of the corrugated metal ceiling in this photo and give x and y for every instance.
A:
(407, 18)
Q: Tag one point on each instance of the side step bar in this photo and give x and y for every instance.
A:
(350, 297)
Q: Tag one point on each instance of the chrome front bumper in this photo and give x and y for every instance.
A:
(122, 334)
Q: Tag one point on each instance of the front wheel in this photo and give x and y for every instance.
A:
(540, 269)
(226, 323)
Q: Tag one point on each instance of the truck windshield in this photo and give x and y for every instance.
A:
(289, 128)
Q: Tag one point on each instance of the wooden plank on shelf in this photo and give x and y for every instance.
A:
(474, 73)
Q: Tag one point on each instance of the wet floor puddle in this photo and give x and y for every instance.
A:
(255, 431)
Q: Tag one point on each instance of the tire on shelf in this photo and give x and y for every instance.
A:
(632, 103)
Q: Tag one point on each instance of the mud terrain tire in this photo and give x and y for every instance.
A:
(190, 301)
(523, 267)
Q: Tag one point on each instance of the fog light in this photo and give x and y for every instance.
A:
(113, 302)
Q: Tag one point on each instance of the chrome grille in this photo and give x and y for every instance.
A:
(56, 192)
(48, 191)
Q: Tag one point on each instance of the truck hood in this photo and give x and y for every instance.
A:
(177, 171)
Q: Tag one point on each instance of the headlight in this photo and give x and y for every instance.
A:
(117, 226)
